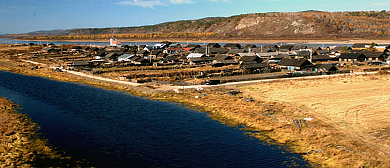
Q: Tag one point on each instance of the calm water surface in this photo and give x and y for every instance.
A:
(12, 41)
(113, 129)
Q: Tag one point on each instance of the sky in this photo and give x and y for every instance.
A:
(22, 16)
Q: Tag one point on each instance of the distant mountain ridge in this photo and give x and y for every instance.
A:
(306, 24)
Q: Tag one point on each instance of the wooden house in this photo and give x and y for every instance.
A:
(295, 64)
(80, 64)
(253, 66)
(322, 58)
(285, 48)
(360, 46)
(76, 49)
(352, 57)
(277, 58)
(298, 48)
(201, 60)
(142, 53)
(252, 46)
(250, 59)
(325, 68)
(125, 58)
(213, 45)
(375, 56)
(222, 60)
(231, 46)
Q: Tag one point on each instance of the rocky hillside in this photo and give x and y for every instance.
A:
(309, 24)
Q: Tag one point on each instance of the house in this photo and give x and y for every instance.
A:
(159, 46)
(247, 46)
(325, 68)
(79, 64)
(191, 47)
(153, 54)
(298, 47)
(110, 56)
(375, 56)
(352, 57)
(388, 60)
(232, 46)
(321, 58)
(142, 53)
(295, 64)
(125, 58)
(172, 50)
(285, 48)
(278, 58)
(211, 51)
(171, 59)
(86, 48)
(250, 59)
(247, 55)
(161, 55)
(76, 49)
(143, 47)
(213, 45)
(361, 46)
(195, 55)
(221, 60)
(303, 55)
(138, 60)
(253, 66)
(267, 55)
(321, 52)
(101, 52)
(47, 50)
(201, 60)
(234, 52)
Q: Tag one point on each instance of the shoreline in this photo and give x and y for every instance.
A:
(230, 109)
(292, 41)
(21, 143)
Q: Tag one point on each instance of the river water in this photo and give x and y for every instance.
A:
(12, 41)
(114, 129)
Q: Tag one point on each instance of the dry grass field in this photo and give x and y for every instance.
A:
(356, 105)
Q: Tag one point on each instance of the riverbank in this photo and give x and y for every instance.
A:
(22, 146)
(319, 141)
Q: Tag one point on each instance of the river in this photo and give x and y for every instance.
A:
(150, 44)
(115, 129)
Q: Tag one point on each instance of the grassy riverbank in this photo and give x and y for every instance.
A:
(22, 146)
(322, 142)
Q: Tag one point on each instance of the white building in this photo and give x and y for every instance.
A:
(114, 42)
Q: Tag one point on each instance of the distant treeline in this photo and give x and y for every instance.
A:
(123, 36)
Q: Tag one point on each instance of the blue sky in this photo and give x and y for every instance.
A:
(21, 16)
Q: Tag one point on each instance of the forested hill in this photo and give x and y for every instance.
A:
(308, 24)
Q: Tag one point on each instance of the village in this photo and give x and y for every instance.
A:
(192, 64)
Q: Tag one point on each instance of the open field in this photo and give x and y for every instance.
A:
(356, 105)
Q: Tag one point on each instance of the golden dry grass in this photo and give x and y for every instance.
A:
(356, 106)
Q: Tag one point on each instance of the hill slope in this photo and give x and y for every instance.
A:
(309, 24)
